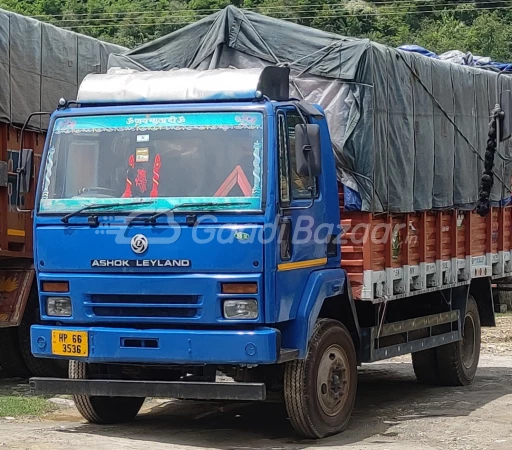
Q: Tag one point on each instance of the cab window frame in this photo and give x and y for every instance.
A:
(294, 193)
(285, 194)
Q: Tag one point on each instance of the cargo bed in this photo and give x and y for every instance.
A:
(390, 256)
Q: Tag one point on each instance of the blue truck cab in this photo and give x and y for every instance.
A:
(187, 224)
(164, 232)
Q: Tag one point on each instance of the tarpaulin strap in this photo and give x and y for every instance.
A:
(156, 176)
(128, 189)
(331, 47)
(484, 204)
(201, 42)
(432, 96)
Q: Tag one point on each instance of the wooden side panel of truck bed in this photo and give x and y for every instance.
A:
(16, 265)
(396, 255)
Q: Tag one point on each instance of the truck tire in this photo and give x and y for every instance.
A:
(38, 367)
(11, 360)
(425, 367)
(458, 362)
(103, 410)
(320, 390)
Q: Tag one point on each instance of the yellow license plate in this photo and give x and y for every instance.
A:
(70, 343)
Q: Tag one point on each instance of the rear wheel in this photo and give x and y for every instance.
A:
(458, 362)
(320, 390)
(103, 410)
(425, 366)
(452, 364)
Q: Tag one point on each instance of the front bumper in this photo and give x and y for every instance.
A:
(188, 390)
(173, 346)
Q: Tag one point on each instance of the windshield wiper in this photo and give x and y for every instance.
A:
(152, 219)
(66, 218)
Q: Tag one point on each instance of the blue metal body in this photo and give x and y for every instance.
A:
(190, 328)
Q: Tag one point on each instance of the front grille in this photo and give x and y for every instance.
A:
(153, 299)
(143, 312)
(145, 306)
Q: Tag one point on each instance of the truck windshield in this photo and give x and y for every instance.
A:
(169, 158)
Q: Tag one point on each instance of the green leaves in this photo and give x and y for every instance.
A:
(481, 27)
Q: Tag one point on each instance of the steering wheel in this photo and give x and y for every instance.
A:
(104, 192)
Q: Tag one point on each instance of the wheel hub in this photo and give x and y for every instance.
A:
(332, 380)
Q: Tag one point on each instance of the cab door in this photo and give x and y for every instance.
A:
(303, 242)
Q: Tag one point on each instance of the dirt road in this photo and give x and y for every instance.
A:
(393, 412)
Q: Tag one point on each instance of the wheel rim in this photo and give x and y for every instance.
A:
(468, 342)
(333, 380)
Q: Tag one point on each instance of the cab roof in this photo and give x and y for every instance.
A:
(121, 86)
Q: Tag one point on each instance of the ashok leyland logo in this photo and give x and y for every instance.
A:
(139, 243)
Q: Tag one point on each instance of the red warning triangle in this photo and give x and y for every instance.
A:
(235, 177)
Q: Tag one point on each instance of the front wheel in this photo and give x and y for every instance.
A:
(103, 410)
(320, 390)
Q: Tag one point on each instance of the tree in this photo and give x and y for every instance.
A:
(483, 27)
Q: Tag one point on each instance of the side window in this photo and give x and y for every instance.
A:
(299, 183)
(284, 177)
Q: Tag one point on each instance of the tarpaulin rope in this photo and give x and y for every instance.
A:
(259, 36)
(202, 41)
(328, 50)
(484, 203)
(329, 47)
(473, 149)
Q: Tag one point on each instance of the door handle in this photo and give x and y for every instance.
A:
(285, 238)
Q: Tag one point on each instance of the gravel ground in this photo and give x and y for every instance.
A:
(498, 340)
(392, 411)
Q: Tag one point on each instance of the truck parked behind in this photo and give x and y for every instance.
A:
(38, 64)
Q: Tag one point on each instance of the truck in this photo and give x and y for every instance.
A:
(33, 78)
(202, 222)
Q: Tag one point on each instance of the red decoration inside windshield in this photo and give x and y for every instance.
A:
(235, 177)
(141, 180)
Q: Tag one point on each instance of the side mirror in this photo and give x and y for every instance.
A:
(307, 150)
(25, 170)
(25, 166)
(506, 121)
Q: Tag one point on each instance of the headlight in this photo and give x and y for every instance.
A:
(58, 306)
(241, 309)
